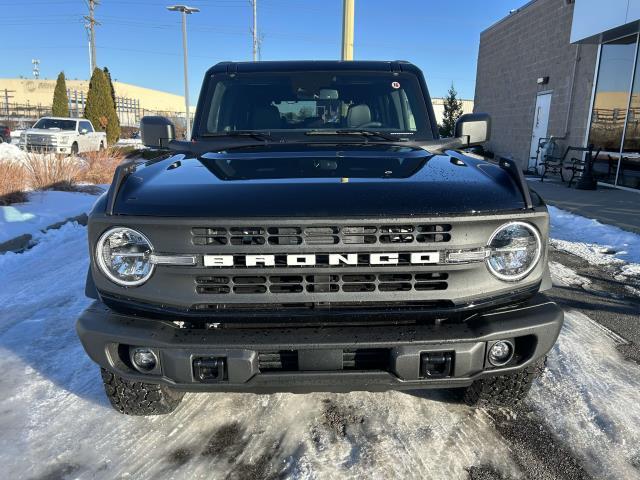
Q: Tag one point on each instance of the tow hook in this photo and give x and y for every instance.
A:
(436, 365)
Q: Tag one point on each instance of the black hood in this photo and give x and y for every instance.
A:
(302, 180)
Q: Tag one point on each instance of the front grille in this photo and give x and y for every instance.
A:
(321, 283)
(352, 359)
(366, 359)
(282, 361)
(253, 235)
(43, 140)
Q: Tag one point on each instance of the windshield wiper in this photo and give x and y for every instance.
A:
(365, 133)
(266, 136)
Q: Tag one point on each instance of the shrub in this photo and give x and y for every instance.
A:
(100, 166)
(13, 180)
(100, 108)
(46, 172)
(60, 100)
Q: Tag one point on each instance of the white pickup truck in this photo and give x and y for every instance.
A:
(63, 135)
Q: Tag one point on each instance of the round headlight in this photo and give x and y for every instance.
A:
(124, 256)
(514, 251)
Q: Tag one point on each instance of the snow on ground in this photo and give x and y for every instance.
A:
(125, 142)
(43, 209)
(12, 154)
(56, 421)
(598, 243)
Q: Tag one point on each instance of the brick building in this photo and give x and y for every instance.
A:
(565, 68)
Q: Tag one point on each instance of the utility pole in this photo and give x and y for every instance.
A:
(185, 11)
(254, 30)
(91, 26)
(348, 18)
(90, 55)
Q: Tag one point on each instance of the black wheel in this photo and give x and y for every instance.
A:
(101, 146)
(74, 149)
(138, 398)
(504, 390)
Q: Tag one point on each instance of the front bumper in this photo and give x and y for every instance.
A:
(320, 352)
(45, 148)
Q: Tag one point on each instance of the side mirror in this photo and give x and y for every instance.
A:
(156, 132)
(474, 128)
(84, 131)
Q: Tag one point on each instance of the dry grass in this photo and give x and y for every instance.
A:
(45, 171)
(100, 166)
(13, 178)
(55, 172)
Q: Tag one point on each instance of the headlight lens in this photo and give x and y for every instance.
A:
(514, 251)
(124, 256)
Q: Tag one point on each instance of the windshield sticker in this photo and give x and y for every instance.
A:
(395, 84)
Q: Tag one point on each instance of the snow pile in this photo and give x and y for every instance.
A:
(12, 154)
(598, 243)
(124, 142)
(43, 209)
(590, 396)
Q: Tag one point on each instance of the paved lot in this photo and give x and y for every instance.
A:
(607, 205)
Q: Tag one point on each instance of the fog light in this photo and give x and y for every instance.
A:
(143, 359)
(500, 353)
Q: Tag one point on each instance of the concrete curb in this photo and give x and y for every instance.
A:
(24, 242)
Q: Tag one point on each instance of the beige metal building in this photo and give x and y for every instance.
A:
(438, 108)
(28, 98)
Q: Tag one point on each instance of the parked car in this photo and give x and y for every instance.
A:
(5, 134)
(316, 234)
(63, 135)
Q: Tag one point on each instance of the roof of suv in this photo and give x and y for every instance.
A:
(302, 65)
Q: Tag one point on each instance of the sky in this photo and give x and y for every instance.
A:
(141, 42)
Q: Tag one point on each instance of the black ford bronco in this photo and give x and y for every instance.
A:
(316, 234)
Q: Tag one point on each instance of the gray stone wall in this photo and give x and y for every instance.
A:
(514, 53)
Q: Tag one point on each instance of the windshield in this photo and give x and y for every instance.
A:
(48, 123)
(316, 101)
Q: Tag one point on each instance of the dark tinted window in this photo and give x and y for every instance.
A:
(302, 101)
(46, 123)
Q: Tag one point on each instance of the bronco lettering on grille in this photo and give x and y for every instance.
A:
(332, 259)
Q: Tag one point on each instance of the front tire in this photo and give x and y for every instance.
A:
(503, 390)
(138, 398)
(74, 149)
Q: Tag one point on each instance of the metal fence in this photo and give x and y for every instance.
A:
(129, 111)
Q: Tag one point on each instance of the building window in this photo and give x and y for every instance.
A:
(612, 93)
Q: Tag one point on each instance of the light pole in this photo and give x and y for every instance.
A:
(185, 11)
(348, 18)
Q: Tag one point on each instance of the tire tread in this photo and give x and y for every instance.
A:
(139, 398)
(504, 390)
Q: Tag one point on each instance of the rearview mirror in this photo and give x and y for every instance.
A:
(156, 132)
(474, 128)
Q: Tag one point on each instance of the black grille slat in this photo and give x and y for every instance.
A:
(282, 360)
(423, 287)
(366, 359)
(320, 235)
(322, 283)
